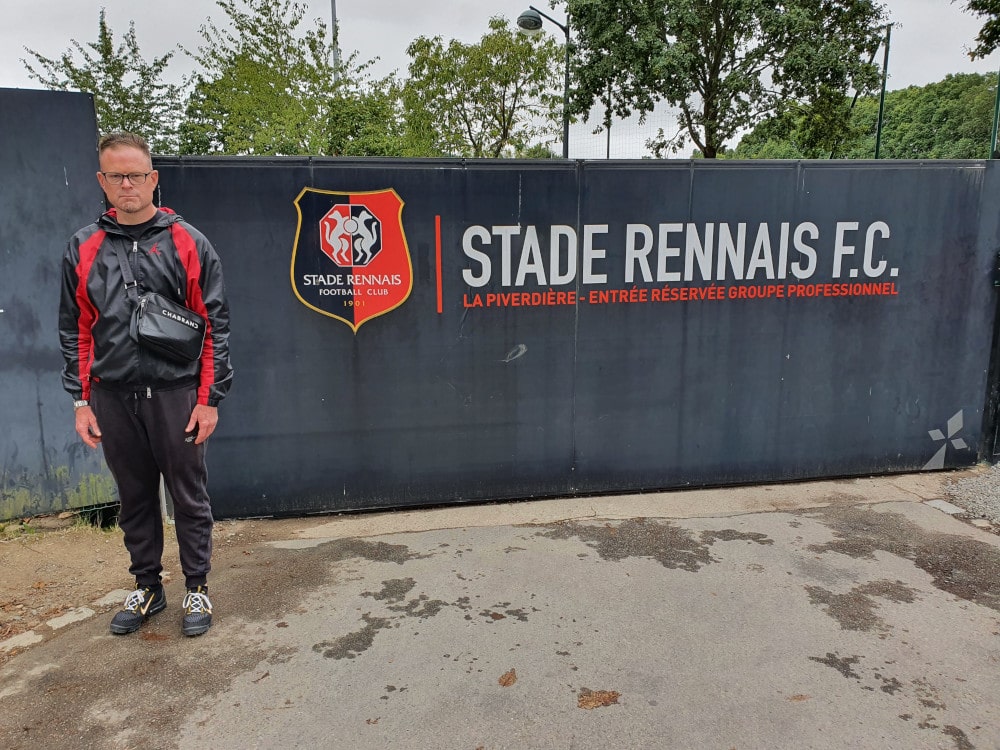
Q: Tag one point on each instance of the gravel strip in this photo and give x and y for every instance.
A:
(979, 495)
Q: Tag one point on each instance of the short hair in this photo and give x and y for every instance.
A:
(111, 140)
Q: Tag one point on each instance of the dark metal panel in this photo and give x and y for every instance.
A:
(751, 390)
(573, 327)
(923, 354)
(416, 407)
(48, 159)
(990, 238)
(421, 406)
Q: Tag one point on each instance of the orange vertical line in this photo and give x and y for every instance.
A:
(437, 247)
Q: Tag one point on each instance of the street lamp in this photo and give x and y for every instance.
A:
(881, 100)
(335, 37)
(530, 23)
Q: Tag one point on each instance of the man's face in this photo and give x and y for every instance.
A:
(134, 202)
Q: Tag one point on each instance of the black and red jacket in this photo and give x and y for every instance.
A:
(171, 258)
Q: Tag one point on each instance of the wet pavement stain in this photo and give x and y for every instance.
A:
(521, 615)
(422, 607)
(928, 694)
(669, 545)
(920, 689)
(389, 689)
(282, 655)
(394, 595)
(890, 685)
(960, 566)
(731, 535)
(856, 609)
(393, 591)
(842, 664)
(345, 549)
(960, 738)
(351, 645)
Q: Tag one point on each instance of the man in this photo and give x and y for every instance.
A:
(151, 414)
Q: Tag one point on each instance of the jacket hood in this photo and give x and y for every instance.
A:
(164, 217)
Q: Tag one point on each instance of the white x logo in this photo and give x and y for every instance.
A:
(954, 427)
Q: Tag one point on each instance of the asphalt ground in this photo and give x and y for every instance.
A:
(841, 614)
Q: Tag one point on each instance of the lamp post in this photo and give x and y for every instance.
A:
(336, 38)
(530, 22)
(881, 99)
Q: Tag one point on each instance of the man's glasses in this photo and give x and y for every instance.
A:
(136, 178)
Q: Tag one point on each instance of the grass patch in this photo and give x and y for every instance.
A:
(103, 517)
(19, 529)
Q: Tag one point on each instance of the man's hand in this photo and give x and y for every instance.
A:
(204, 418)
(86, 426)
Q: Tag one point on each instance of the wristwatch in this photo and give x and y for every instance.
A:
(81, 402)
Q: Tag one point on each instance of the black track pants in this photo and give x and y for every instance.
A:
(143, 437)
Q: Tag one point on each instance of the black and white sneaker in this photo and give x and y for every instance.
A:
(140, 605)
(197, 611)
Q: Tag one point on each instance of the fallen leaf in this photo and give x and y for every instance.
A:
(596, 698)
(281, 625)
(372, 721)
(799, 698)
(508, 678)
(266, 674)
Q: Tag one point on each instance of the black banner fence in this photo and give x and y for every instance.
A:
(423, 332)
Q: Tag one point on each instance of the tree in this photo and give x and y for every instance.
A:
(724, 64)
(368, 121)
(950, 119)
(776, 137)
(129, 93)
(490, 99)
(270, 87)
(989, 36)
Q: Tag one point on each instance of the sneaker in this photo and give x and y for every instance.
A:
(140, 605)
(197, 611)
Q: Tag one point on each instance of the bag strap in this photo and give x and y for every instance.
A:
(131, 285)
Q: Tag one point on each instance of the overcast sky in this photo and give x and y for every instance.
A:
(929, 39)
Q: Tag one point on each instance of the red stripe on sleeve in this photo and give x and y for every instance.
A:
(187, 251)
(88, 313)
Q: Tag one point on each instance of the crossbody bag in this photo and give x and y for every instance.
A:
(159, 323)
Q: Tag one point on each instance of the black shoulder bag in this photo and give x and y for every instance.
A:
(160, 324)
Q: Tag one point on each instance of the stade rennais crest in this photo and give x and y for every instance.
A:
(351, 260)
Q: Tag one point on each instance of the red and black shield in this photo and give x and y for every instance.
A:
(350, 260)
